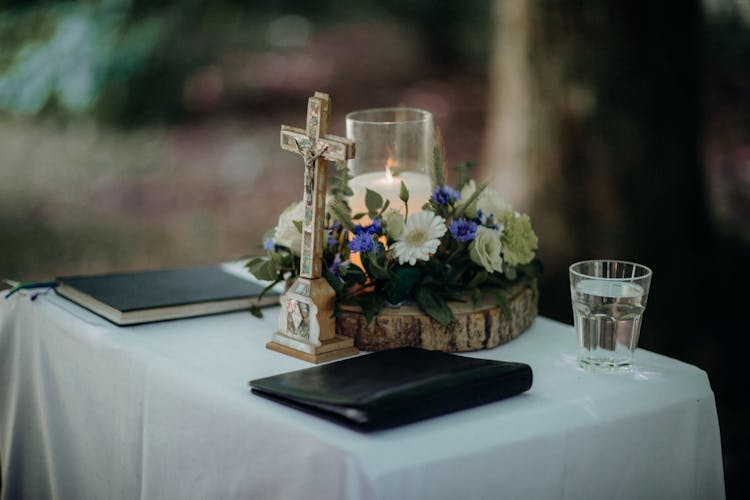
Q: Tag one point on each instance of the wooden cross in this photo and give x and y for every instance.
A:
(316, 147)
(306, 327)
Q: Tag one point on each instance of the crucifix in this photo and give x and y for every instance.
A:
(306, 328)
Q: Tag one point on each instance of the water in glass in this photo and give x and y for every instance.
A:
(607, 317)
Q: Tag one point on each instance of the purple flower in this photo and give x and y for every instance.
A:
(483, 220)
(374, 228)
(268, 244)
(479, 217)
(463, 230)
(444, 195)
(332, 237)
(362, 242)
(334, 268)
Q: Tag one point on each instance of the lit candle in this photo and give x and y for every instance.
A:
(388, 186)
(390, 138)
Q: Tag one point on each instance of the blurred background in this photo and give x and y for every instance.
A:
(144, 134)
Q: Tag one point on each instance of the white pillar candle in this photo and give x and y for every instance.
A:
(389, 187)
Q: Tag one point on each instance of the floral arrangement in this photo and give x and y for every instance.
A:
(464, 241)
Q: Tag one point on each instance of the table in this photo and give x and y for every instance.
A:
(92, 411)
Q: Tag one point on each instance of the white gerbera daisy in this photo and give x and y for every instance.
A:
(419, 238)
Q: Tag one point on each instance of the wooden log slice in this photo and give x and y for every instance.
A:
(471, 328)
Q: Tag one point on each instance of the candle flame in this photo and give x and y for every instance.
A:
(388, 165)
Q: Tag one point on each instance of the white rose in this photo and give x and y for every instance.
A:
(485, 250)
(286, 233)
(394, 223)
(490, 202)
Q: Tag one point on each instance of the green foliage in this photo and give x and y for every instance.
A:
(82, 47)
(502, 302)
(341, 212)
(381, 279)
(255, 311)
(339, 184)
(438, 162)
(373, 201)
(401, 286)
(463, 173)
(471, 200)
(434, 305)
(403, 193)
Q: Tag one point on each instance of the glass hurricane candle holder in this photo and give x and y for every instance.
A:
(393, 145)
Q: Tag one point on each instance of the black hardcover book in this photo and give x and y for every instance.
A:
(147, 296)
(395, 387)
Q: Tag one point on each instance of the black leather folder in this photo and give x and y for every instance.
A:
(395, 387)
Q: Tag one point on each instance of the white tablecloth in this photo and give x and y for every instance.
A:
(163, 411)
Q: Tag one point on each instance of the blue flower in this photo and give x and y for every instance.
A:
(374, 228)
(484, 220)
(268, 244)
(463, 230)
(445, 194)
(362, 242)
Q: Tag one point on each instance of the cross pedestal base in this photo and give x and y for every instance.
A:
(306, 329)
(335, 348)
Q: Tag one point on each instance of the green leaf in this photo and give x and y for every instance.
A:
(371, 303)
(298, 225)
(255, 311)
(453, 274)
(476, 296)
(263, 268)
(470, 200)
(385, 207)
(334, 281)
(341, 213)
(502, 302)
(509, 272)
(277, 259)
(479, 279)
(463, 171)
(497, 280)
(403, 193)
(531, 269)
(434, 305)
(534, 285)
(339, 184)
(373, 201)
(405, 279)
(438, 161)
(354, 276)
(374, 268)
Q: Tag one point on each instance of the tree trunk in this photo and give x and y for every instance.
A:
(594, 130)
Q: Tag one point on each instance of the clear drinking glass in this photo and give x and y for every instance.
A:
(609, 298)
(392, 145)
